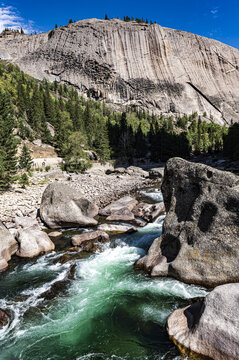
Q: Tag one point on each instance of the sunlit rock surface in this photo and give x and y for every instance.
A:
(161, 69)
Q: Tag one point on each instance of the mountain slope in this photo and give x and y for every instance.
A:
(161, 69)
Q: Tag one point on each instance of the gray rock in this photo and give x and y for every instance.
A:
(201, 229)
(123, 214)
(25, 222)
(120, 170)
(55, 235)
(209, 327)
(117, 229)
(156, 173)
(137, 171)
(4, 318)
(153, 258)
(88, 240)
(189, 75)
(122, 203)
(149, 212)
(8, 246)
(33, 242)
(63, 206)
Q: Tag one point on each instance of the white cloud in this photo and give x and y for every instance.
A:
(10, 18)
(214, 12)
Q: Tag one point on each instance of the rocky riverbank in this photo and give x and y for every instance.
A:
(95, 186)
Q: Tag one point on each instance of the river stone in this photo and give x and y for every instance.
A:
(201, 229)
(4, 318)
(156, 173)
(25, 222)
(63, 206)
(33, 242)
(123, 214)
(209, 327)
(122, 203)
(8, 246)
(117, 229)
(149, 212)
(55, 235)
(87, 240)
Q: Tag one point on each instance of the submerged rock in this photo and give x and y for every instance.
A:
(117, 229)
(33, 242)
(4, 318)
(8, 246)
(60, 286)
(63, 206)
(87, 241)
(209, 327)
(201, 230)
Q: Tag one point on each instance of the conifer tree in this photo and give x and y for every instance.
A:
(8, 144)
(25, 160)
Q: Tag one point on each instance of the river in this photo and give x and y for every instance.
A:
(106, 310)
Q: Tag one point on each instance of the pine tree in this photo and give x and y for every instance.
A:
(25, 160)
(8, 144)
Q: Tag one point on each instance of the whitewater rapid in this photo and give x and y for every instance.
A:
(107, 311)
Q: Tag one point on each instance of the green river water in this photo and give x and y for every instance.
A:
(107, 310)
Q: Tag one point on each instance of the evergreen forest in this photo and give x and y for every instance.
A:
(28, 108)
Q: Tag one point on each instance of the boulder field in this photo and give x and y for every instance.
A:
(200, 240)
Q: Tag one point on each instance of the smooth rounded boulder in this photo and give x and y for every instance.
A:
(209, 327)
(63, 206)
(8, 246)
(199, 243)
(33, 242)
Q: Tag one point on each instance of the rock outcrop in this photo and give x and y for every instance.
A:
(209, 327)
(163, 70)
(63, 206)
(8, 246)
(200, 236)
(33, 242)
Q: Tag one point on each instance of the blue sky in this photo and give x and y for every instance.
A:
(218, 19)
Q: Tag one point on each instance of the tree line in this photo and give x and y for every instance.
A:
(28, 108)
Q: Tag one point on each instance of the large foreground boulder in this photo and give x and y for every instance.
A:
(8, 246)
(209, 327)
(200, 240)
(63, 206)
(33, 242)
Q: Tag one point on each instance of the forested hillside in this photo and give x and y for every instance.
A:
(28, 107)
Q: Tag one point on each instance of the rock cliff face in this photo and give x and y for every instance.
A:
(200, 236)
(160, 69)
